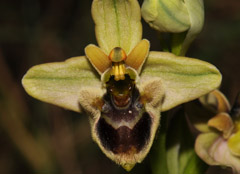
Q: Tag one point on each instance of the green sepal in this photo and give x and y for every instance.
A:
(117, 24)
(60, 83)
(184, 79)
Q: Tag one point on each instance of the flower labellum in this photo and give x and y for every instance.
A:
(126, 128)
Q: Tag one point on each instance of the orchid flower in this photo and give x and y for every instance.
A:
(120, 84)
(219, 125)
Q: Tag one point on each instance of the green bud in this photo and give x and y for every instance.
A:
(175, 16)
(166, 15)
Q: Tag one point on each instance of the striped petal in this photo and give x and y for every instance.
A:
(138, 55)
(98, 58)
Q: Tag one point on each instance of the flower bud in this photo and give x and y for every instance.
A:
(166, 15)
(175, 16)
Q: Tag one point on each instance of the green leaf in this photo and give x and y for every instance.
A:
(158, 152)
(60, 83)
(184, 79)
(174, 144)
(117, 24)
(180, 150)
(195, 165)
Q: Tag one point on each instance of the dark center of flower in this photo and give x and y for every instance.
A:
(120, 91)
(124, 126)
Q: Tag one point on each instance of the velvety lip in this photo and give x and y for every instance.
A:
(121, 101)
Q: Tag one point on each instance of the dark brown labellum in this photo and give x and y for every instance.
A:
(124, 126)
(123, 122)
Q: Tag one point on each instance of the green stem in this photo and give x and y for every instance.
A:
(181, 156)
(159, 157)
(164, 41)
(177, 43)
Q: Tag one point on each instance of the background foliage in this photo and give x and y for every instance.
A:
(36, 137)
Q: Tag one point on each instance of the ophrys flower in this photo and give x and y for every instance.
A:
(219, 140)
(128, 88)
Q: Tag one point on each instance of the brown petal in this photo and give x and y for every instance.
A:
(216, 101)
(223, 123)
(98, 58)
(138, 55)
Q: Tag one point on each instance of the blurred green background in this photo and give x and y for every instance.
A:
(40, 138)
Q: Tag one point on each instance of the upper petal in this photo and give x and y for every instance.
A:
(98, 58)
(138, 55)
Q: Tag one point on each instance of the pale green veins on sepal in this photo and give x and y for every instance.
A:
(184, 79)
(117, 24)
(60, 83)
(182, 76)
